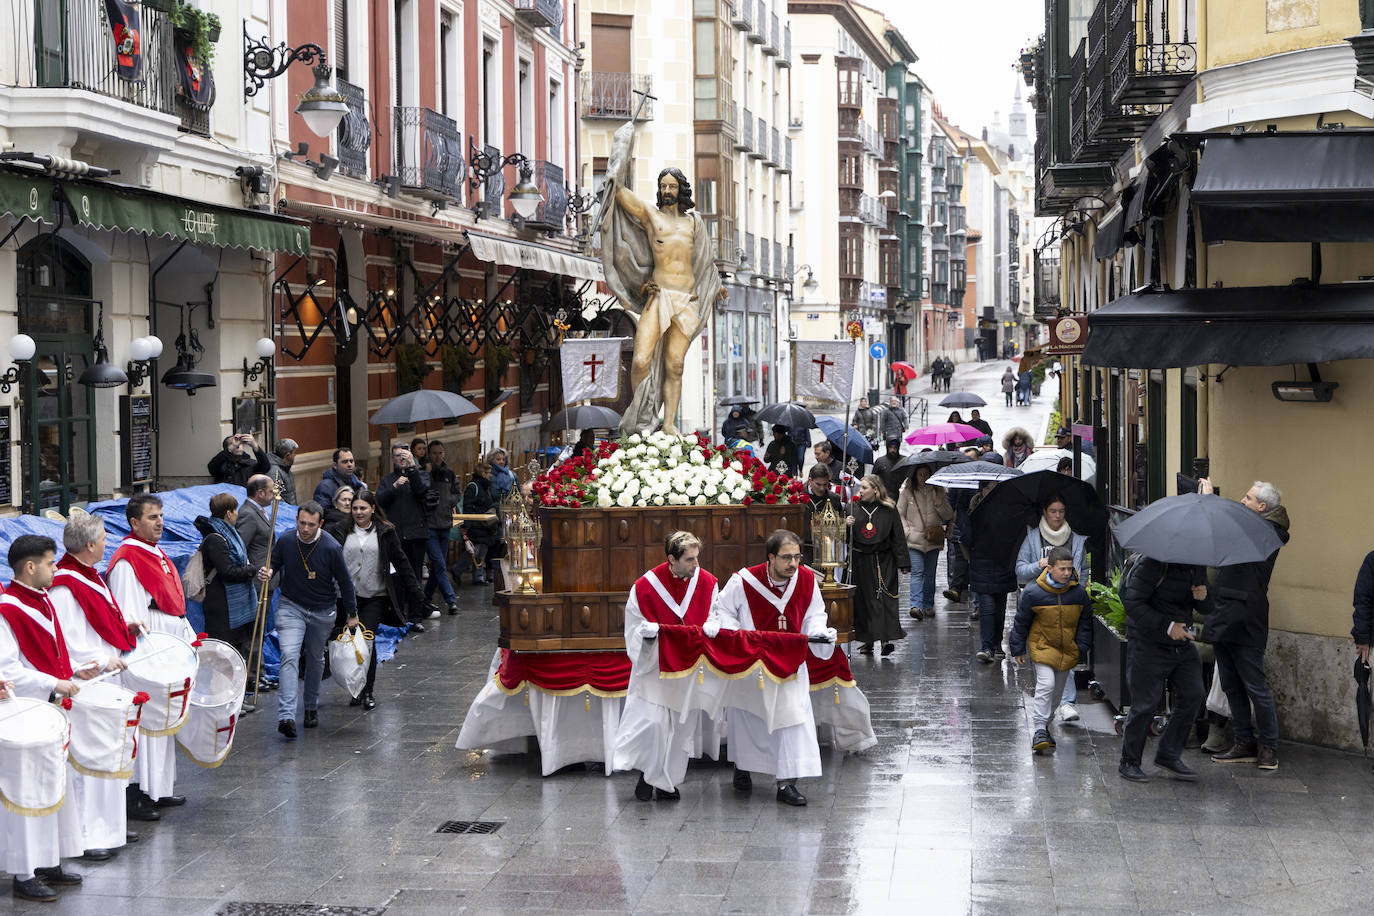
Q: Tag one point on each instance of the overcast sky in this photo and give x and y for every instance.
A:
(966, 50)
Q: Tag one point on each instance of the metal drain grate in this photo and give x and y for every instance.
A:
(468, 827)
(295, 909)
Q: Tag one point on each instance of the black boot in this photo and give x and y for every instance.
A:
(138, 806)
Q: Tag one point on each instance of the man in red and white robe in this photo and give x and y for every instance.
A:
(95, 631)
(654, 738)
(779, 595)
(34, 660)
(147, 589)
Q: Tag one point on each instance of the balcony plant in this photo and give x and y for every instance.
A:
(458, 364)
(202, 28)
(411, 367)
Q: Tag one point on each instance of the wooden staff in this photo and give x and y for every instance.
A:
(264, 597)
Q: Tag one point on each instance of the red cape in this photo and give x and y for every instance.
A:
(90, 590)
(155, 572)
(45, 651)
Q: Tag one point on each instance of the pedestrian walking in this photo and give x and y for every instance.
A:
(991, 583)
(339, 474)
(1160, 599)
(313, 573)
(1017, 446)
(886, 467)
(1053, 631)
(231, 600)
(877, 554)
(1237, 626)
(926, 516)
(481, 539)
(1032, 559)
(867, 421)
(782, 450)
(402, 493)
(439, 502)
(281, 458)
(894, 420)
(1008, 384)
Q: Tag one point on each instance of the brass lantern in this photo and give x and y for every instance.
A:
(523, 536)
(828, 534)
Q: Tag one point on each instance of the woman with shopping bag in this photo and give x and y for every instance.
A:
(378, 566)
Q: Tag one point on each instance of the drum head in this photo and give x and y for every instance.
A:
(26, 722)
(222, 674)
(105, 694)
(157, 654)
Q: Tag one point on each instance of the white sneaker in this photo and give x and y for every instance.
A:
(433, 614)
(1068, 713)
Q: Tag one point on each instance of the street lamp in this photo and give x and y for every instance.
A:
(525, 197)
(102, 373)
(22, 349)
(322, 106)
(266, 348)
(142, 350)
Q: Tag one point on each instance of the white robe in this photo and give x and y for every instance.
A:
(566, 730)
(100, 801)
(27, 843)
(789, 752)
(653, 738)
(155, 767)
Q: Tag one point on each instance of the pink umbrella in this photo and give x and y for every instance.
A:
(941, 433)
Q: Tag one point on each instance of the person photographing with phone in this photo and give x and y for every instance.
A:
(239, 458)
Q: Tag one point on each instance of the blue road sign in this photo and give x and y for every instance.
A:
(878, 350)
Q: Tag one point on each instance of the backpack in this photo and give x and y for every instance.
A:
(194, 579)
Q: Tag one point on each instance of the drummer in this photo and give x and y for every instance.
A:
(96, 632)
(147, 590)
(33, 657)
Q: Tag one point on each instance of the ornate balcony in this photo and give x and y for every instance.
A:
(354, 136)
(429, 153)
(1151, 55)
(492, 204)
(617, 96)
(552, 214)
(540, 13)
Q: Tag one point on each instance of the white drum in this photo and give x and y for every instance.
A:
(104, 722)
(216, 700)
(33, 756)
(164, 667)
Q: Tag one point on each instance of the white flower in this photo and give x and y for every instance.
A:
(635, 438)
(658, 500)
(690, 439)
(625, 500)
(697, 459)
(709, 491)
(694, 491)
(700, 500)
(723, 499)
(603, 499)
(736, 466)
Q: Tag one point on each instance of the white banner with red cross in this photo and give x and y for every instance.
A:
(591, 368)
(824, 369)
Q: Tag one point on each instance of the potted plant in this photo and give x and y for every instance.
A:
(1109, 642)
(411, 367)
(198, 29)
(458, 364)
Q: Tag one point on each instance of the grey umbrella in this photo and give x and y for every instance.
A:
(584, 416)
(963, 399)
(1199, 529)
(934, 460)
(425, 404)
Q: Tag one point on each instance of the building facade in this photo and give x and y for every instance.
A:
(1169, 138)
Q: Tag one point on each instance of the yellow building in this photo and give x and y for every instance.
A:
(1210, 166)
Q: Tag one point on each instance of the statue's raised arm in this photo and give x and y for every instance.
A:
(660, 263)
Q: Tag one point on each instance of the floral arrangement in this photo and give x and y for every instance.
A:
(664, 470)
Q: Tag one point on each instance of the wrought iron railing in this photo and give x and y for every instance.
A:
(786, 164)
(195, 119)
(748, 256)
(743, 17)
(785, 58)
(778, 265)
(72, 47)
(764, 250)
(760, 150)
(1078, 101)
(429, 152)
(552, 213)
(540, 12)
(772, 40)
(745, 139)
(354, 136)
(494, 188)
(617, 95)
(760, 24)
(1152, 53)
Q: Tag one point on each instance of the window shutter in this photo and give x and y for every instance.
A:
(339, 56)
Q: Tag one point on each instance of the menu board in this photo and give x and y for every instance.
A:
(136, 440)
(6, 482)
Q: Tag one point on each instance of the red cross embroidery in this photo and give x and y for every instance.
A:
(184, 693)
(593, 362)
(226, 728)
(823, 362)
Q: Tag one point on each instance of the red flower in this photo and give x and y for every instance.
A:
(195, 644)
(66, 702)
(770, 499)
(855, 498)
(141, 697)
(747, 501)
(772, 476)
(202, 635)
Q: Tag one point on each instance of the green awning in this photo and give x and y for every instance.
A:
(25, 197)
(102, 207)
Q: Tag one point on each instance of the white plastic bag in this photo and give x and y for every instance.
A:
(349, 655)
(1216, 697)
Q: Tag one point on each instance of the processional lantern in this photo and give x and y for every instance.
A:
(828, 532)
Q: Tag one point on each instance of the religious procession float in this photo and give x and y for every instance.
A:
(588, 529)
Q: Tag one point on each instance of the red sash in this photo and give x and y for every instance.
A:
(766, 613)
(656, 609)
(155, 572)
(91, 591)
(43, 648)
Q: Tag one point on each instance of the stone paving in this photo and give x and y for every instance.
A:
(950, 813)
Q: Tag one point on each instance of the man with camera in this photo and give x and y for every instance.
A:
(239, 459)
(402, 494)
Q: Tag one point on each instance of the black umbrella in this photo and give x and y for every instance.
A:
(1362, 700)
(426, 404)
(786, 413)
(736, 400)
(584, 416)
(935, 459)
(1001, 519)
(1199, 529)
(963, 399)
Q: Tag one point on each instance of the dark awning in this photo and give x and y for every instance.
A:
(1239, 326)
(1287, 188)
(1111, 235)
